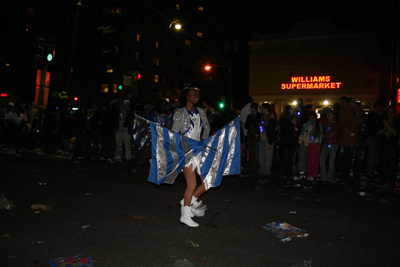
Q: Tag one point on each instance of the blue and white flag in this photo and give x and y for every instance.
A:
(141, 133)
(219, 154)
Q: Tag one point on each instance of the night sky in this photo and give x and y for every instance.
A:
(244, 17)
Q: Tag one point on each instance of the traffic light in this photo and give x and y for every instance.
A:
(221, 105)
(120, 87)
(76, 98)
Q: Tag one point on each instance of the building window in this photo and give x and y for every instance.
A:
(115, 88)
(110, 68)
(188, 42)
(186, 84)
(137, 55)
(156, 78)
(177, 7)
(111, 10)
(398, 95)
(106, 50)
(116, 49)
(29, 11)
(108, 30)
(104, 88)
(200, 34)
(157, 44)
(156, 61)
(138, 37)
(201, 8)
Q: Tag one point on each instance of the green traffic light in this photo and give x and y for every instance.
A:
(221, 105)
(49, 57)
(120, 87)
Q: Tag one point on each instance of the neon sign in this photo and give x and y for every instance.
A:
(311, 82)
(4, 95)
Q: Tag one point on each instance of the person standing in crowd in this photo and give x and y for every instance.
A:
(344, 104)
(388, 136)
(287, 143)
(191, 122)
(361, 131)
(332, 132)
(92, 132)
(65, 130)
(253, 135)
(311, 137)
(214, 118)
(373, 122)
(107, 128)
(79, 126)
(350, 118)
(124, 130)
(50, 129)
(267, 139)
(16, 122)
(244, 112)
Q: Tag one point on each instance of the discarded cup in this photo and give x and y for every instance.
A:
(362, 194)
(41, 207)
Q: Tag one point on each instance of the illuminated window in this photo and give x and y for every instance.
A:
(185, 84)
(138, 37)
(116, 49)
(115, 88)
(157, 44)
(107, 50)
(200, 34)
(110, 68)
(137, 55)
(104, 88)
(177, 7)
(201, 8)
(111, 10)
(29, 11)
(188, 42)
(156, 61)
(108, 30)
(156, 78)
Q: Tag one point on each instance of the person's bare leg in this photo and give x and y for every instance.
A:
(190, 177)
(201, 189)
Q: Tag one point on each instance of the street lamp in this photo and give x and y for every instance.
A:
(177, 26)
(209, 67)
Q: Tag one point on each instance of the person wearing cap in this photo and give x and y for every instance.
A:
(253, 135)
(192, 122)
(124, 130)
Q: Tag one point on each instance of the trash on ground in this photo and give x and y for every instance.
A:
(138, 217)
(89, 194)
(41, 207)
(304, 264)
(301, 198)
(6, 235)
(362, 194)
(183, 263)
(85, 226)
(284, 231)
(39, 242)
(292, 212)
(5, 204)
(191, 242)
(40, 183)
(75, 261)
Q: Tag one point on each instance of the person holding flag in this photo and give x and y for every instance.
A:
(191, 122)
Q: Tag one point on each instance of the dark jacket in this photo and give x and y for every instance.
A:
(252, 125)
(288, 134)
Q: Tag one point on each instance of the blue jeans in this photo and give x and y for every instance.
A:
(253, 146)
(373, 155)
(331, 153)
(265, 156)
(302, 158)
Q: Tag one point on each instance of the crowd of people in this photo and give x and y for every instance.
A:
(341, 143)
(337, 144)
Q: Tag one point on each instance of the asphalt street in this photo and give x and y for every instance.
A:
(110, 213)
